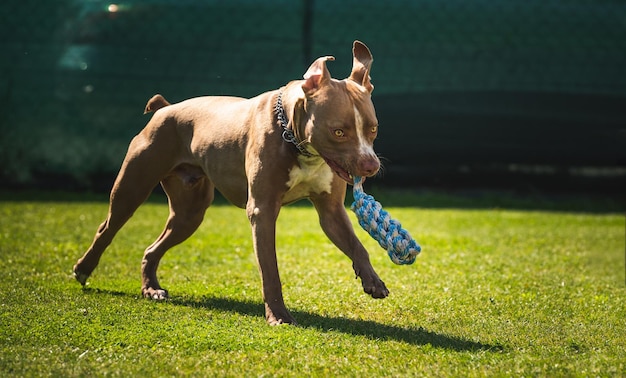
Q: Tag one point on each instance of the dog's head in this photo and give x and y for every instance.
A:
(338, 117)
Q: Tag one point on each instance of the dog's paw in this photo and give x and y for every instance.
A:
(372, 284)
(156, 294)
(80, 276)
(375, 287)
(278, 316)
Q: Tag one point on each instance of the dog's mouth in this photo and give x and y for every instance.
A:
(339, 170)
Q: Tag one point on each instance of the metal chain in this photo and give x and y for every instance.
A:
(288, 135)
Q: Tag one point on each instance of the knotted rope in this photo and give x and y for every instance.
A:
(401, 248)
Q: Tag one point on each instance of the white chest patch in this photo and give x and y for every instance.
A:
(313, 176)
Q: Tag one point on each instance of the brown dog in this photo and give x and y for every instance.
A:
(305, 140)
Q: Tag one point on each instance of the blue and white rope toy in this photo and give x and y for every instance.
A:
(401, 247)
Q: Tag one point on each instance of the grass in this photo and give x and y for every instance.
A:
(495, 292)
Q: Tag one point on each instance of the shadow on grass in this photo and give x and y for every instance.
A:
(370, 329)
(367, 328)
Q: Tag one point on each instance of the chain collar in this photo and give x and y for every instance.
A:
(288, 134)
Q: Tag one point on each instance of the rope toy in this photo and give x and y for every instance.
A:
(401, 247)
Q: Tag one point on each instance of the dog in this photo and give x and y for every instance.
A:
(307, 139)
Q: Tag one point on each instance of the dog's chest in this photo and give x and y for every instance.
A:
(311, 176)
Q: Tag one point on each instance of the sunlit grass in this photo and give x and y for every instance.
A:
(494, 292)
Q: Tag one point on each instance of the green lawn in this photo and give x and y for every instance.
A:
(494, 292)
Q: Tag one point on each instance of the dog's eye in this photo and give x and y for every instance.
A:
(339, 133)
(374, 129)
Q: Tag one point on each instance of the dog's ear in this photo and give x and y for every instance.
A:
(361, 65)
(317, 75)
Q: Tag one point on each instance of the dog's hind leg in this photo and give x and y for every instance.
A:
(189, 193)
(138, 176)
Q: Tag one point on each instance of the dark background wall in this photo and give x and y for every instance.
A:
(518, 94)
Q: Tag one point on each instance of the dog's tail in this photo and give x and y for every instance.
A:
(155, 103)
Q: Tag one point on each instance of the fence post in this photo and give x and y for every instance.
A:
(307, 32)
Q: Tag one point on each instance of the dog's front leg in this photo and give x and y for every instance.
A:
(337, 226)
(262, 218)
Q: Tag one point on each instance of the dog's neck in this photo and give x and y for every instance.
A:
(291, 130)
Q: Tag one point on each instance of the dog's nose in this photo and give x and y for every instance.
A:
(369, 166)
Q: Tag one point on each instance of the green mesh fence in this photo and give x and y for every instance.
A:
(461, 86)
